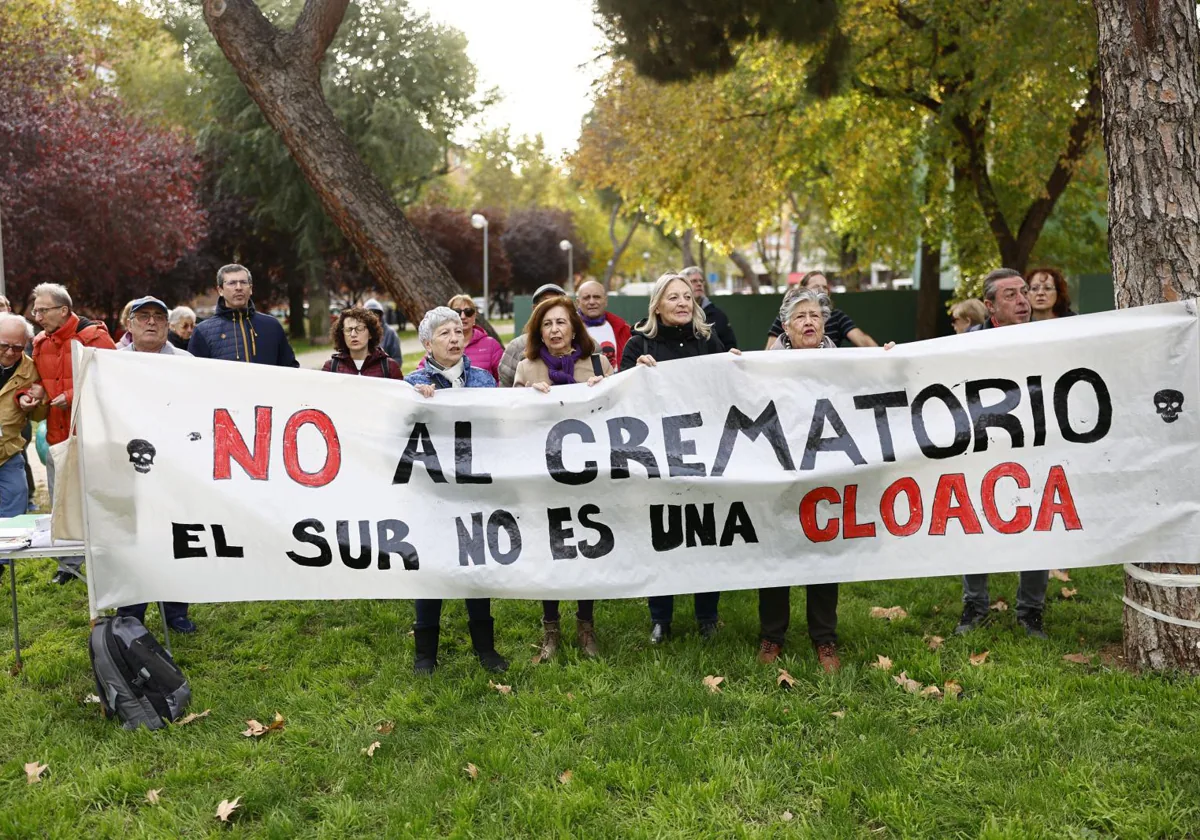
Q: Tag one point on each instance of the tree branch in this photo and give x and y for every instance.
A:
(908, 95)
(1087, 118)
(972, 138)
(316, 27)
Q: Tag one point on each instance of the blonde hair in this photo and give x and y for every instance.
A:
(700, 324)
(467, 299)
(972, 310)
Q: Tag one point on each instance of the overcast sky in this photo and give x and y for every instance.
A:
(541, 54)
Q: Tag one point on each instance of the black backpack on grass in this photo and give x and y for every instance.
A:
(136, 679)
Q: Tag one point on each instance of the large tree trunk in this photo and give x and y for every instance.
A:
(929, 298)
(282, 73)
(618, 245)
(295, 296)
(1149, 54)
(685, 247)
(747, 270)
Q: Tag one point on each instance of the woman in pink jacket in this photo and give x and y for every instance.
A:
(484, 351)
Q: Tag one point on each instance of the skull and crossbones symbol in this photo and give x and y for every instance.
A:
(1168, 403)
(141, 454)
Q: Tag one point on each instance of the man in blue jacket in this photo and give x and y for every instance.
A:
(236, 332)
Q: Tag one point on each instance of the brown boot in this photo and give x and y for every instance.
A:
(585, 636)
(768, 651)
(550, 639)
(827, 656)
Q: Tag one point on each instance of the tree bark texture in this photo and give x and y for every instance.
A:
(929, 298)
(281, 71)
(1149, 54)
(685, 248)
(743, 265)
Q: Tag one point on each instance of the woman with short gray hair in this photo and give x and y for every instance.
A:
(803, 315)
(180, 324)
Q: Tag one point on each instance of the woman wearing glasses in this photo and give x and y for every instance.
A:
(484, 351)
(357, 335)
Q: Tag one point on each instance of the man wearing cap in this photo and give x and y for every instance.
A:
(391, 341)
(236, 332)
(148, 318)
(609, 331)
(515, 351)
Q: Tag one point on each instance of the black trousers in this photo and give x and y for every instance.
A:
(171, 611)
(429, 611)
(662, 607)
(775, 612)
(584, 613)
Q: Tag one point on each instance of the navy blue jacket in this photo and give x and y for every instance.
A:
(473, 377)
(242, 336)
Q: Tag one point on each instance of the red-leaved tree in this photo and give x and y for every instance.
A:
(90, 197)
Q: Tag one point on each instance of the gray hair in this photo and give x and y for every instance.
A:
(800, 294)
(690, 270)
(232, 268)
(700, 323)
(434, 319)
(55, 291)
(994, 277)
(7, 317)
(179, 313)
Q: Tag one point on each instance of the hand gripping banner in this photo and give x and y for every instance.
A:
(1063, 443)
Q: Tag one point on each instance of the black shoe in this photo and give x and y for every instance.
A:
(426, 639)
(708, 629)
(483, 639)
(61, 578)
(182, 625)
(1033, 624)
(973, 616)
(659, 633)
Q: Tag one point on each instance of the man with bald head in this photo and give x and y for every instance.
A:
(20, 395)
(609, 331)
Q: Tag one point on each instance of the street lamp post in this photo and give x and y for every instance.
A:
(480, 222)
(570, 249)
(645, 263)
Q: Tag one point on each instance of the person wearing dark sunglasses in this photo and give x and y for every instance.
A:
(484, 351)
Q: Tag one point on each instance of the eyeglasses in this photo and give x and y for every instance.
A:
(5, 347)
(150, 317)
(469, 312)
(354, 330)
(42, 310)
(236, 284)
(1049, 288)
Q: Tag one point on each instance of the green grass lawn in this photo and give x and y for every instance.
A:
(1035, 747)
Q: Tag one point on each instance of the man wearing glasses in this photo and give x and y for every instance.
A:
(20, 396)
(236, 332)
(148, 327)
(52, 356)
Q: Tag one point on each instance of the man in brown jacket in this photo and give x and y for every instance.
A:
(20, 396)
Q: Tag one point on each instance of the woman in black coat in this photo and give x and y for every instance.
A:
(675, 328)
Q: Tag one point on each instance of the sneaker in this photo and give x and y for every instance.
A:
(182, 625)
(973, 616)
(659, 633)
(827, 657)
(768, 651)
(1033, 624)
(708, 629)
(62, 578)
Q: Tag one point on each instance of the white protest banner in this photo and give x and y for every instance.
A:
(1064, 443)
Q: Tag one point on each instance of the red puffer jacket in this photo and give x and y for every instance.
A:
(52, 355)
(377, 364)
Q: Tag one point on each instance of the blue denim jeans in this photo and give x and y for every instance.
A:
(14, 491)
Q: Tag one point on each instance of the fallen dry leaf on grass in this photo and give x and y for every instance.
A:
(1079, 658)
(934, 642)
(1000, 606)
(226, 808)
(907, 683)
(91, 698)
(152, 795)
(787, 816)
(385, 728)
(503, 689)
(931, 691)
(1068, 593)
(785, 679)
(953, 689)
(841, 713)
(472, 771)
(882, 662)
(570, 696)
(370, 751)
(978, 658)
(264, 667)
(1060, 574)
(714, 683)
(890, 613)
(564, 777)
(186, 719)
(34, 771)
(257, 730)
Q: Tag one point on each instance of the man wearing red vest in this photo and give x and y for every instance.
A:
(52, 356)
